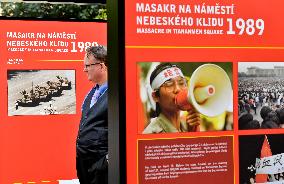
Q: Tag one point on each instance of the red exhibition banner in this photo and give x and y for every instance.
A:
(43, 87)
(204, 93)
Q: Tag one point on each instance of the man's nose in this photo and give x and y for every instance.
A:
(85, 69)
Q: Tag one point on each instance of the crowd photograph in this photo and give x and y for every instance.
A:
(261, 95)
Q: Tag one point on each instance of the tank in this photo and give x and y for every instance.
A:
(43, 93)
(27, 100)
(65, 83)
(54, 88)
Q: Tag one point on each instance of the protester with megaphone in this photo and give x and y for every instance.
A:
(167, 80)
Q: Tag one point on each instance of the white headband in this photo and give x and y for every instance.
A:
(165, 75)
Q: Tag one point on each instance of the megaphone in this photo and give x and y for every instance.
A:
(209, 91)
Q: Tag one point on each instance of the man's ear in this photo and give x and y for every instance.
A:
(155, 97)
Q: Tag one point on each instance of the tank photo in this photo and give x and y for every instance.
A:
(41, 92)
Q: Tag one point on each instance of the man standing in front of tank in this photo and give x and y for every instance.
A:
(92, 139)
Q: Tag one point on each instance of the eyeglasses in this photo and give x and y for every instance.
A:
(170, 85)
(88, 66)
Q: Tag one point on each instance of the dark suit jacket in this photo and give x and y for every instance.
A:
(93, 130)
(92, 140)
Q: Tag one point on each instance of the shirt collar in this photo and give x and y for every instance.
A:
(102, 87)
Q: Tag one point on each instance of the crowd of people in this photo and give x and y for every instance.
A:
(266, 94)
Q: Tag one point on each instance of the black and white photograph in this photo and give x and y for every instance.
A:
(260, 95)
(41, 92)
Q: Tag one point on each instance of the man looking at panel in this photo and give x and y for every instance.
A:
(92, 140)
